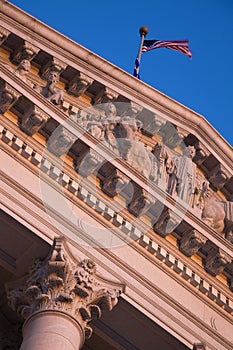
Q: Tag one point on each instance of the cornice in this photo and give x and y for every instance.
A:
(163, 255)
(112, 76)
(126, 169)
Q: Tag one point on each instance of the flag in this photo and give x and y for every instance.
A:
(177, 45)
(136, 68)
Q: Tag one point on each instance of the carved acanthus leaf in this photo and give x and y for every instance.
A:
(166, 223)
(54, 64)
(219, 176)
(59, 284)
(114, 183)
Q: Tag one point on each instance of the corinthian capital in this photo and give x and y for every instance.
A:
(59, 283)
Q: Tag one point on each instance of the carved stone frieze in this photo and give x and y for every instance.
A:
(200, 192)
(55, 65)
(134, 109)
(60, 284)
(191, 242)
(151, 123)
(33, 120)
(216, 261)
(4, 33)
(219, 176)
(114, 183)
(105, 95)
(8, 96)
(25, 51)
(79, 84)
(170, 135)
(166, 222)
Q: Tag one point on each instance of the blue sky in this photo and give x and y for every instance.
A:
(110, 29)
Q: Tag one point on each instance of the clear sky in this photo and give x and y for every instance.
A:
(110, 29)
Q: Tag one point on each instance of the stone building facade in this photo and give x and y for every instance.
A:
(116, 205)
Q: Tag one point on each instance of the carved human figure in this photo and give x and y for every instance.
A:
(50, 91)
(182, 173)
(23, 70)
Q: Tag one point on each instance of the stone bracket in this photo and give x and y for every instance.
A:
(166, 223)
(25, 51)
(191, 242)
(79, 84)
(216, 261)
(8, 96)
(33, 120)
(4, 33)
(105, 95)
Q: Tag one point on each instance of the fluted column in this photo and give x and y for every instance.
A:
(59, 299)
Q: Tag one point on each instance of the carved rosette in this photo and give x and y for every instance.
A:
(59, 284)
(33, 120)
(8, 96)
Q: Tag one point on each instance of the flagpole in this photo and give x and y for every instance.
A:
(143, 33)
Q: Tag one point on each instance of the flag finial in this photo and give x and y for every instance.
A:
(143, 31)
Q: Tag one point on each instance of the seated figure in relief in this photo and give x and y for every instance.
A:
(50, 91)
(23, 69)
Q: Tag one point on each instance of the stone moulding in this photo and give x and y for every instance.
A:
(127, 85)
(146, 242)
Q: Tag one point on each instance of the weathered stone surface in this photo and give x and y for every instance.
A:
(79, 84)
(59, 284)
(33, 120)
(8, 96)
(216, 261)
(191, 242)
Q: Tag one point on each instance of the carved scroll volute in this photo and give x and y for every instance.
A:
(191, 242)
(33, 120)
(58, 283)
(8, 96)
(25, 51)
(79, 84)
(216, 261)
(4, 33)
(105, 95)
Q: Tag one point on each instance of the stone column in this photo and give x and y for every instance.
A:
(59, 299)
